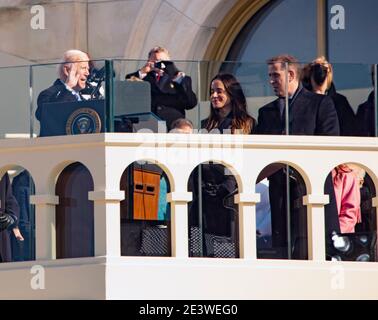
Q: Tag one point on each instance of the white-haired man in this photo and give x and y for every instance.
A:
(73, 74)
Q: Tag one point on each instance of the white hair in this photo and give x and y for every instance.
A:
(72, 55)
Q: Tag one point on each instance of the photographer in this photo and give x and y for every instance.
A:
(171, 89)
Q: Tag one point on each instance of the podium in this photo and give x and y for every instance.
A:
(132, 97)
(132, 113)
(78, 117)
(146, 194)
(132, 108)
(141, 183)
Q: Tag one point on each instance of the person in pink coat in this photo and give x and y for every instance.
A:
(347, 180)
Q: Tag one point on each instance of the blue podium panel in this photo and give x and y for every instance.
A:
(139, 122)
(79, 117)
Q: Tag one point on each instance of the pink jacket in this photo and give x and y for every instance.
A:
(348, 198)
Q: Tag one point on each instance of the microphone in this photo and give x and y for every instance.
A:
(96, 75)
(93, 83)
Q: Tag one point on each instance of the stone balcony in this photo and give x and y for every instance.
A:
(108, 275)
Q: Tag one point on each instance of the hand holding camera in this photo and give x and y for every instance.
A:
(167, 66)
(148, 67)
(161, 67)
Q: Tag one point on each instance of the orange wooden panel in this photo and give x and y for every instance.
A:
(146, 194)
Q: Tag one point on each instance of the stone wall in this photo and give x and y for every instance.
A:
(109, 29)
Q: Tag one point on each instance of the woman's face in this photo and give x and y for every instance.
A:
(218, 95)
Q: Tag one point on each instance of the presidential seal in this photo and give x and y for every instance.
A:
(83, 120)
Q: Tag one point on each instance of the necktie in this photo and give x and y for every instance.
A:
(77, 95)
(281, 105)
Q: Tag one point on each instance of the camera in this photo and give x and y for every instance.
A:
(167, 66)
(160, 65)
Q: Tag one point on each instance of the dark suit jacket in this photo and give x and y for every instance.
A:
(9, 205)
(309, 114)
(169, 99)
(56, 93)
(366, 117)
(345, 113)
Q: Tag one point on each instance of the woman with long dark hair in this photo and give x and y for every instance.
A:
(212, 182)
(228, 106)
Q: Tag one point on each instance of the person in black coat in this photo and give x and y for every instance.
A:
(366, 115)
(366, 118)
(22, 188)
(318, 77)
(309, 114)
(9, 206)
(73, 74)
(366, 121)
(171, 89)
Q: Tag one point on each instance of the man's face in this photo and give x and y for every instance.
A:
(76, 72)
(277, 78)
(83, 72)
(159, 56)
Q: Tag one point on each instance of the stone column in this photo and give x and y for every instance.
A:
(316, 225)
(179, 223)
(107, 222)
(247, 224)
(375, 205)
(45, 230)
